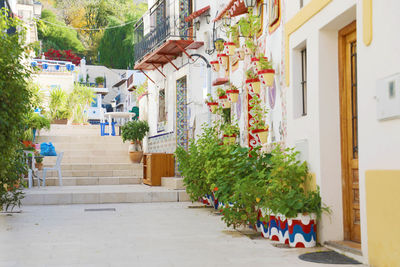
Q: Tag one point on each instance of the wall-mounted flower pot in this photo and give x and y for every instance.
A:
(267, 76)
(224, 101)
(283, 230)
(233, 95)
(224, 61)
(273, 227)
(240, 53)
(255, 61)
(230, 48)
(262, 134)
(229, 139)
(247, 51)
(255, 85)
(215, 65)
(212, 106)
(302, 231)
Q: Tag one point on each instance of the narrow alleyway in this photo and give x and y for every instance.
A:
(156, 234)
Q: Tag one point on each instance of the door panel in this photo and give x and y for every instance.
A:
(349, 131)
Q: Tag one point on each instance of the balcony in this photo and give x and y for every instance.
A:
(162, 36)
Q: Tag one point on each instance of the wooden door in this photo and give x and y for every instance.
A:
(349, 131)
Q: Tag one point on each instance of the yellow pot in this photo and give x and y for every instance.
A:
(262, 134)
(267, 76)
(224, 60)
(215, 65)
(229, 140)
(230, 48)
(233, 95)
(256, 85)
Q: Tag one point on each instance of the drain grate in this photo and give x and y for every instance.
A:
(101, 209)
(327, 257)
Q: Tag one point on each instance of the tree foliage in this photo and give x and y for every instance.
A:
(57, 37)
(14, 106)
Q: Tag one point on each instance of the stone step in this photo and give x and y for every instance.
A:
(92, 153)
(100, 167)
(94, 173)
(68, 139)
(64, 195)
(84, 181)
(88, 160)
(84, 146)
(174, 183)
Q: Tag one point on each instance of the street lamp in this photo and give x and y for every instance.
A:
(250, 3)
(197, 25)
(226, 20)
(208, 18)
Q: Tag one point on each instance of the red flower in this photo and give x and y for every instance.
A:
(215, 189)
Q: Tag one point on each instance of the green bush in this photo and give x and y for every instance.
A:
(99, 80)
(135, 131)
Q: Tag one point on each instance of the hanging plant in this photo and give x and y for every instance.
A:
(266, 71)
(224, 60)
(256, 61)
(215, 65)
(253, 80)
(211, 103)
(230, 133)
(233, 93)
(259, 126)
(240, 53)
(244, 27)
(230, 48)
(219, 45)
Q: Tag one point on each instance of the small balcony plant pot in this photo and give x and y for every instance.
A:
(39, 165)
(233, 95)
(224, 61)
(224, 101)
(262, 134)
(59, 121)
(273, 227)
(230, 48)
(302, 231)
(263, 222)
(255, 85)
(212, 106)
(240, 53)
(283, 230)
(215, 65)
(229, 139)
(267, 76)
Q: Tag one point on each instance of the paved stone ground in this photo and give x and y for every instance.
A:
(154, 234)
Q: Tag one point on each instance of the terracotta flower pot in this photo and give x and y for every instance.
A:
(230, 48)
(240, 53)
(224, 61)
(215, 65)
(262, 134)
(61, 121)
(233, 95)
(134, 155)
(212, 106)
(302, 231)
(229, 139)
(267, 76)
(224, 101)
(39, 165)
(255, 85)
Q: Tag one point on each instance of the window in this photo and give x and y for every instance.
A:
(304, 81)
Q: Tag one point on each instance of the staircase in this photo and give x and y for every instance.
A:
(96, 169)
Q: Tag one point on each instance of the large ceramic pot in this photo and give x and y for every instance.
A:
(134, 155)
(302, 231)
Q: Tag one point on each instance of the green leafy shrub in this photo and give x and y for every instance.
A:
(135, 131)
(58, 107)
(99, 80)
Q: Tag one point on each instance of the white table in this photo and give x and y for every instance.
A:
(110, 115)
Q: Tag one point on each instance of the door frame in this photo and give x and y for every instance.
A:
(344, 140)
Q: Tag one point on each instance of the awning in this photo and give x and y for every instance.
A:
(232, 9)
(118, 84)
(166, 53)
(196, 14)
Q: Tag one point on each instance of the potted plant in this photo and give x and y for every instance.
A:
(211, 103)
(266, 71)
(253, 80)
(224, 60)
(240, 53)
(59, 110)
(219, 45)
(215, 65)
(37, 122)
(223, 98)
(99, 81)
(233, 93)
(256, 61)
(135, 131)
(258, 126)
(230, 48)
(38, 161)
(230, 131)
(250, 46)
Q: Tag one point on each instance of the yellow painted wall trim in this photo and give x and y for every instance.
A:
(383, 216)
(367, 22)
(304, 15)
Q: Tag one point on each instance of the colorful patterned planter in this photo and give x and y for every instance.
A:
(267, 76)
(224, 101)
(273, 227)
(233, 95)
(263, 223)
(255, 61)
(212, 106)
(283, 230)
(229, 139)
(224, 61)
(215, 65)
(302, 231)
(240, 53)
(262, 134)
(254, 85)
(230, 48)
